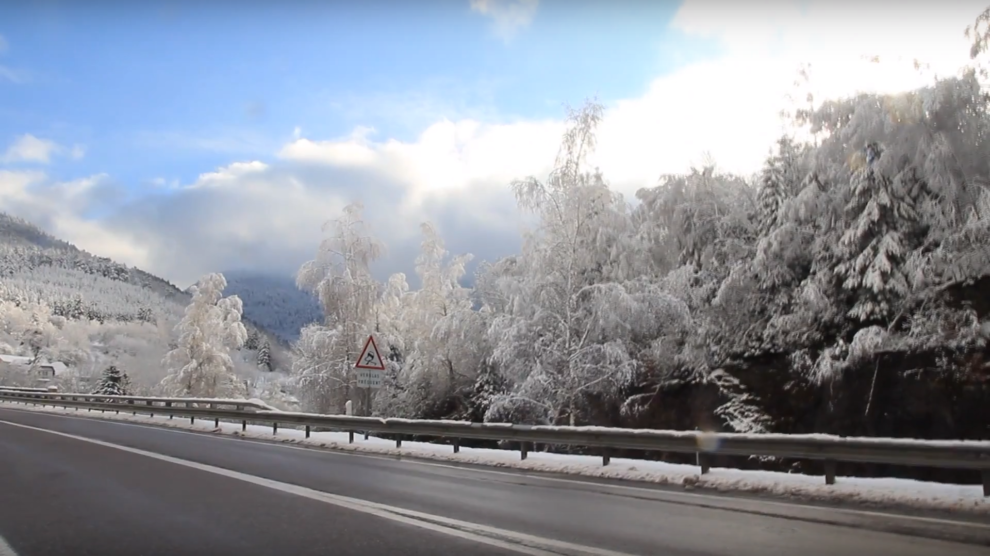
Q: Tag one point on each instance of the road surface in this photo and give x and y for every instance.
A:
(86, 486)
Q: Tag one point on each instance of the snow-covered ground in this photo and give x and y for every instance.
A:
(864, 491)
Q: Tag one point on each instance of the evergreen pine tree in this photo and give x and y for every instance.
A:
(489, 385)
(874, 245)
(114, 382)
(265, 357)
(253, 340)
(780, 176)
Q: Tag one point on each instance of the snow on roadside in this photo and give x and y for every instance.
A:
(864, 491)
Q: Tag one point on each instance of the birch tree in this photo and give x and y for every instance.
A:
(441, 325)
(201, 365)
(550, 345)
(340, 277)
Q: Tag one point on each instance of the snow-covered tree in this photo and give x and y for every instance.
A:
(253, 340)
(340, 277)
(781, 176)
(200, 365)
(114, 382)
(552, 344)
(440, 326)
(876, 242)
(265, 357)
(394, 339)
(321, 365)
(14, 375)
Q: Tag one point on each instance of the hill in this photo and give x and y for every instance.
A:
(274, 302)
(89, 311)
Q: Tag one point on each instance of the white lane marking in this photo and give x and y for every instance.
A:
(5, 549)
(503, 538)
(656, 493)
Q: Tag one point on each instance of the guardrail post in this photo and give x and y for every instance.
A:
(169, 404)
(350, 437)
(457, 446)
(307, 431)
(703, 462)
(606, 457)
(986, 481)
(275, 428)
(216, 422)
(243, 426)
(829, 472)
(366, 435)
(398, 442)
(151, 404)
(524, 450)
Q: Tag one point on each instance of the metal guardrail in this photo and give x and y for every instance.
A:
(27, 389)
(57, 398)
(973, 455)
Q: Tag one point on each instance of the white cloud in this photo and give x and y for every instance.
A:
(456, 172)
(729, 106)
(229, 174)
(161, 183)
(351, 151)
(30, 194)
(28, 148)
(447, 156)
(509, 15)
(14, 186)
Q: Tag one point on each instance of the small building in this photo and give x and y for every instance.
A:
(15, 359)
(50, 370)
(44, 370)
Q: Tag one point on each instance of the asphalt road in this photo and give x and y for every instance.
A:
(61, 494)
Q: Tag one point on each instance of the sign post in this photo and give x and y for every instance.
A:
(370, 368)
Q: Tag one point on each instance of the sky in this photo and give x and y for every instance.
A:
(191, 137)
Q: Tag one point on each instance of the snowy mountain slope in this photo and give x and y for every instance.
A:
(274, 302)
(24, 244)
(36, 267)
(114, 305)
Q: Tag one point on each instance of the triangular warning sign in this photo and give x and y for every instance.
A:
(370, 358)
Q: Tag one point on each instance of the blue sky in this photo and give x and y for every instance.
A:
(174, 89)
(188, 137)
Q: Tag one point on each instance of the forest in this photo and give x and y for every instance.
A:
(839, 291)
(843, 290)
